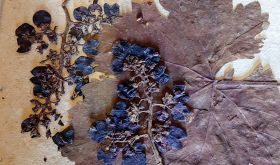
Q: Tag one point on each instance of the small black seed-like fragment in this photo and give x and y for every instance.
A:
(60, 123)
(48, 133)
(43, 45)
(25, 30)
(45, 159)
(56, 116)
(42, 17)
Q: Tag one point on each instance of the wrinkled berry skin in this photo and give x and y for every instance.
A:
(135, 155)
(126, 91)
(111, 11)
(99, 131)
(42, 17)
(25, 30)
(162, 116)
(24, 46)
(107, 157)
(63, 138)
(90, 47)
(30, 123)
(94, 7)
(23, 33)
(77, 32)
(172, 140)
(80, 13)
(42, 78)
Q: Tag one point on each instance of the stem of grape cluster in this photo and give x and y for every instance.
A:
(150, 125)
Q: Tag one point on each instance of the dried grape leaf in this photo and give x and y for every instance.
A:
(236, 122)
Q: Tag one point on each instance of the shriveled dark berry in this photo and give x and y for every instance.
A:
(40, 91)
(25, 30)
(99, 130)
(135, 155)
(90, 47)
(127, 91)
(25, 46)
(42, 17)
(117, 65)
(111, 11)
(84, 60)
(80, 13)
(63, 138)
(77, 32)
(30, 123)
(107, 157)
(39, 70)
(95, 7)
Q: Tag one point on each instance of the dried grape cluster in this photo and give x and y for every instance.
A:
(49, 78)
(139, 116)
(27, 35)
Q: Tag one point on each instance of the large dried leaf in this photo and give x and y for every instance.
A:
(236, 122)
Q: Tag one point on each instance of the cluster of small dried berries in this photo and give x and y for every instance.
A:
(137, 111)
(27, 35)
(47, 79)
(47, 83)
(85, 33)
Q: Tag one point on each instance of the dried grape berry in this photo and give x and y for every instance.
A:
(90, 47)
(99, 131)
(179, 112)
(111, 11)
(42, 18)
(94, 7)
(127, 91)
(63, 138)
(80, 13)
(25, 30)
(162, 116)
(24, 46)
(135, 155)
(30, 123)
(77, 32)
(44, 79)
(177, 132)
(107, 157)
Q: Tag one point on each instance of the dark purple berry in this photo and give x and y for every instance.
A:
(80, 13)
(42, 17)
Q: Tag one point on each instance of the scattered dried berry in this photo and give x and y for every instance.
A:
(90, 47)
(63, 138)
(81, 13)
(111, 11)
(25, 30)
(42, 18)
